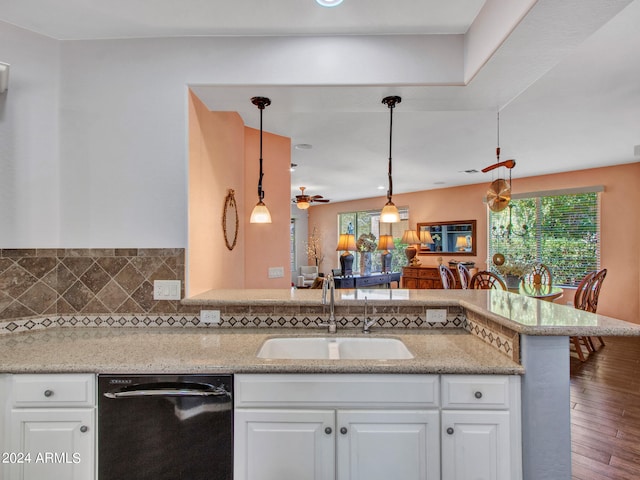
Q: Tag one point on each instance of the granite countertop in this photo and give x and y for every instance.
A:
(200, 350)
(525, 315)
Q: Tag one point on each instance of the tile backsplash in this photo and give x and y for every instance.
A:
(72, 281)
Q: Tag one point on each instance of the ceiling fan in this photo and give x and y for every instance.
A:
(499, 192)
(303, 201)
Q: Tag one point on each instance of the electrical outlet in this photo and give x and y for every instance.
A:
(210, 316)
(166, 289)
(436, 315)
(276, 272)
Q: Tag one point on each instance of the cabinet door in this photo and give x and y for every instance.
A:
(475, 444)
(388, 444)
(284, 444)
(60, 443)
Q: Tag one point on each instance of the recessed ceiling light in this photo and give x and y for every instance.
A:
(329, 3)
(303, 146)
(381, 187)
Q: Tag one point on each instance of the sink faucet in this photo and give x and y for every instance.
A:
(330, 285)
(367, 322)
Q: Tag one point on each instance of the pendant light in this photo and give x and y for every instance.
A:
(390, 212)
(260, 213)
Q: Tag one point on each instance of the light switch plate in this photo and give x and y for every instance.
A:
(166, 289)
(436, 315)
(276, 272)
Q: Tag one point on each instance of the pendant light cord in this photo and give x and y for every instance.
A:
(391, 103)
(260, 192)
(390, 190)
(261, 103)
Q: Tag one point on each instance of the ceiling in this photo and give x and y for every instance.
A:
(565, 80)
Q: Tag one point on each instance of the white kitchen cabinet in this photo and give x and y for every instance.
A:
(59, 442)
(370, 427)
(279, 444)
(272, 444)
(475, 444)
(385, 444)
(344, 427)
(52, 427)
(480, 427)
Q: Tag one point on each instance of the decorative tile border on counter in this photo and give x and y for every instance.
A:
(226, 321)
(498, 336)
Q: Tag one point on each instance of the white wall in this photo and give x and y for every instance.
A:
(29, 179)
(123, 111)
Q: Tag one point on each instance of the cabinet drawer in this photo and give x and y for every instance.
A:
(61, 390)
(475, 391)
(429, 273)
(320, 390)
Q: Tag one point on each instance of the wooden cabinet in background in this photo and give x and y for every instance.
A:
(421, 277)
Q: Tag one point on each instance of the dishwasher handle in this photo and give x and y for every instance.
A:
(149, 391)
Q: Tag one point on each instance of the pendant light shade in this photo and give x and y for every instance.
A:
(390, 212)
(260, 213)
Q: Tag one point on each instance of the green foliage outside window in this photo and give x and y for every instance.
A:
(561, 231)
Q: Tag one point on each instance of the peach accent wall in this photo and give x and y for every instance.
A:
(267, 245)
(620, 225)
(216, 164)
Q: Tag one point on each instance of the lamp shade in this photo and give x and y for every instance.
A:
(302, 205)
(410, 237)
(461, 243)
(425, 236)
(260, 214)
(347, 242)
(389, 213)
(386, 243)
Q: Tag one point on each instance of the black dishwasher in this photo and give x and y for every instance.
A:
(161, 427)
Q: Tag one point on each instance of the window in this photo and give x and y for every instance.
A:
(560, 229)
(368, 221)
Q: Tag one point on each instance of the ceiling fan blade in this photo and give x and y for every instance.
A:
(507, 163)
(321, 200)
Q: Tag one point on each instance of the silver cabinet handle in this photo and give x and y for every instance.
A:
(48, 393)
(328, 430)
(343, 430)
(478, 395)
(84, 429)
(450, 430)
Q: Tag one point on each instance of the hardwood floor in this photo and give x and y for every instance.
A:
(605, 412)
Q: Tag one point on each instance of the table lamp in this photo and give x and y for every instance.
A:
(346, 242)
(410, 237)
(461, 244)
(385, 244)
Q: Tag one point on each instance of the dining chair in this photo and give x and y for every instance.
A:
(464, 275)
(485, 280)
(586, 298)
(447, 277)
(538, 275)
